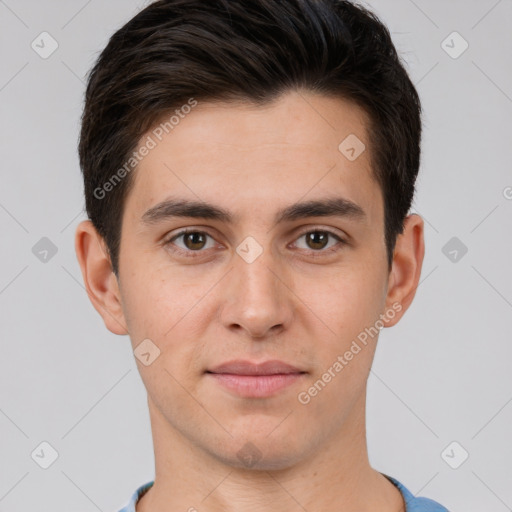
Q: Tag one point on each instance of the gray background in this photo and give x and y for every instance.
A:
(441, 375)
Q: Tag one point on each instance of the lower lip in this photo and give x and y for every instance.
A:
(256, 386)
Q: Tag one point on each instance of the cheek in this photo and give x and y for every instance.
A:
(154, 299)
(171, 311)
(166, 316)
(344, 302)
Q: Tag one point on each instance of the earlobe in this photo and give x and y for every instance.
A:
(406, 269)
(99, 280)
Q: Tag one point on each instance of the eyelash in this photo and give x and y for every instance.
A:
(188, 253)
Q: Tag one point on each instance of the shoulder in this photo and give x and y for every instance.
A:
(130, 506)
(416, 504)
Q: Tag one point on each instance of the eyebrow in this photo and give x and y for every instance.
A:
(176, 207)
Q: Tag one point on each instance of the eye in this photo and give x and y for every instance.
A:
(193, 241)
(317, 240)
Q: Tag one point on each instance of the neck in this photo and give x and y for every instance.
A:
(335, 476)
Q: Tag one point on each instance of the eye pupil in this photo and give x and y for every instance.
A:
(195, 238)
(317, 237)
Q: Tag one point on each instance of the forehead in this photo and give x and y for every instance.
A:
(257, 158)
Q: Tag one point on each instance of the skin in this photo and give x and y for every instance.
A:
(285, 305)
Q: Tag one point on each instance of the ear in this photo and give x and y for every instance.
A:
(406, 268)
(99, 279)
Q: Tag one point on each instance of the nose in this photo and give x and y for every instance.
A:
(257, 298)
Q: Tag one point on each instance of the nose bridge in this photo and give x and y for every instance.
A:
(256, 298)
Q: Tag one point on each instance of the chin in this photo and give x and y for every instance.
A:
(268, 451)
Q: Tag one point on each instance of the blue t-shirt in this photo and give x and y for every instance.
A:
(412, 503)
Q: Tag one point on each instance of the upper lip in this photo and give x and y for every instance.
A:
(241, 367)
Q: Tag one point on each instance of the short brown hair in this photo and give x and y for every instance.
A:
(250, 50)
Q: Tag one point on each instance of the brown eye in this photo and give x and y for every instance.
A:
(186, 243)
(317, 239)
(194, 240)
(319, 242)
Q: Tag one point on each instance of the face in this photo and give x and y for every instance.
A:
(259, 275)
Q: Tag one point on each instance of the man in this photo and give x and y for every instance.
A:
(248, 169)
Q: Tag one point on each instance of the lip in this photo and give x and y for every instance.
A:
(242, 367)
(255, 380)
